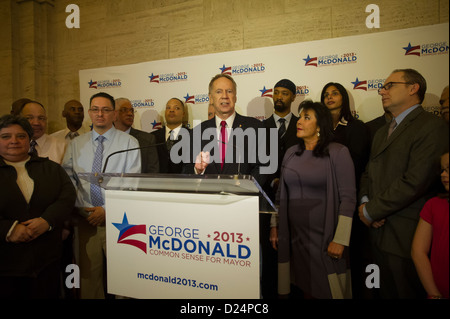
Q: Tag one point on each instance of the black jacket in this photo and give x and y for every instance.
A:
(53, 199)
(166, 165)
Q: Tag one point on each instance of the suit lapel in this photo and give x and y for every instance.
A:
(385, 142)
(213, 168)
(270, 122)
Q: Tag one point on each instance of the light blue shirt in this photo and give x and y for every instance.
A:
(398, 119)
(79, 157)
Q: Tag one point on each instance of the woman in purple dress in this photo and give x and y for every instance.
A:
(317, 200)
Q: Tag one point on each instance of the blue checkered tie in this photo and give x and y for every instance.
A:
(96, 192)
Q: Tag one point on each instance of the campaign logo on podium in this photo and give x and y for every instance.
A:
(126, 230)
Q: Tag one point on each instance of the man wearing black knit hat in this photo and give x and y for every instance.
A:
(284, 94)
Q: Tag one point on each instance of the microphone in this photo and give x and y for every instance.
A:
(129, 150)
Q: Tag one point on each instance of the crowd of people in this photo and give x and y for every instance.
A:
(349, 194)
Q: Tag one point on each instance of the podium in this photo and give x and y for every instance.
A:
(182, 236)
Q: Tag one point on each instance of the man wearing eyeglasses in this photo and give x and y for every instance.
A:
(87, 154)
(400, 176)
(124, 121)
(42, 143)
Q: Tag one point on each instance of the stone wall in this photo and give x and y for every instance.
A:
(40, 57)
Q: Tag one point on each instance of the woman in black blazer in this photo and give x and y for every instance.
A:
(36, 197)
(354, 134)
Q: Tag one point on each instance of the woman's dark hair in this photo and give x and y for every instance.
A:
(325, 124)
(346, 112)
(9, 119)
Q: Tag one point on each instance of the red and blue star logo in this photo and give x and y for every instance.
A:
(225, 70)
(359, 85)
(92, 84)
(310, 61)
(156, 125)
(266, 92)
(126, 230)
(154, 78)
(412, 50)
(189, 98)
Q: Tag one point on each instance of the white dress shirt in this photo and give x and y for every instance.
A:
(48, 146)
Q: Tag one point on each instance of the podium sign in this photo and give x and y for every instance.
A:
(182, 245)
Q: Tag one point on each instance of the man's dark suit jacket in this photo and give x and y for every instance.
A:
(376, 124)
(166, 165)
(245, 167)
(149, 156)
(289, 139)
(400, 175)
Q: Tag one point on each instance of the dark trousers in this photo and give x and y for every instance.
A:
(398, 277)
(269, 268)
(46, 285)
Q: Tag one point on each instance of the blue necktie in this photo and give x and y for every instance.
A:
(96, 192)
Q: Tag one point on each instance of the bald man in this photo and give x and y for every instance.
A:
(74, 114)
(46, 145)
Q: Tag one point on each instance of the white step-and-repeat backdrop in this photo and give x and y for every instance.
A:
(360, 63)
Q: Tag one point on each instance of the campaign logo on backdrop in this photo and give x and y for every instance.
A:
(266, 92)
(331, 60)
(154, 78)
(412, 50)
(143, 103)
(92, 84)
(302, 90)
(156, 125)
(126, 230)
(196, 99)
(310, 61)
(368, 85)
(168, 77)
(427, 49)
(105, 84)
(243, 69)
(186, 243)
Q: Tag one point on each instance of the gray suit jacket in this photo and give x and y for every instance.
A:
(399, 177)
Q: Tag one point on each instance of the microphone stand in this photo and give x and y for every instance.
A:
(128, 150)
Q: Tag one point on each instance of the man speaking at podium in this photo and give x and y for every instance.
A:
(222, 95)
(87, 153)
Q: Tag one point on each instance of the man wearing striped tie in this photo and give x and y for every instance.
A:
(87, 153)
(282, 119)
